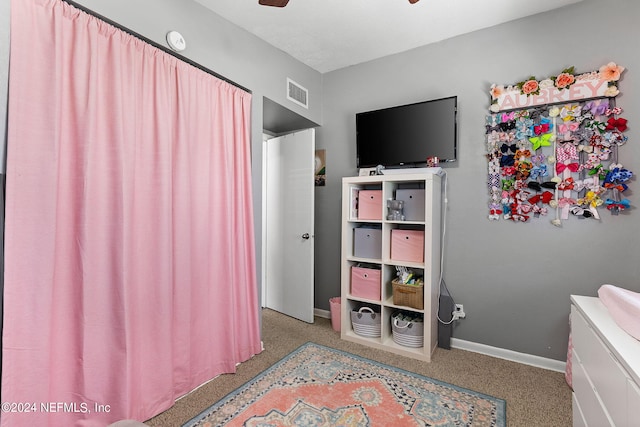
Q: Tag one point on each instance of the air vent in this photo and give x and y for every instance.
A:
(297, 93)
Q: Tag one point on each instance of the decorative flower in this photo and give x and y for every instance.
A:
(611, 91)
(554, 112)
(546, 83)
(564, 80)
(611, 72)
(495, 107)
(530, 87)
(496, 90)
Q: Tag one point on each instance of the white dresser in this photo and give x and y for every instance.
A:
(605, 368)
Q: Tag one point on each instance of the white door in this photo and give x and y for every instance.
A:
(289, 224)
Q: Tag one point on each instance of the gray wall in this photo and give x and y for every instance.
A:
(513, 279)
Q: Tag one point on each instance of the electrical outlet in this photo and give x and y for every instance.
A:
(459, 312)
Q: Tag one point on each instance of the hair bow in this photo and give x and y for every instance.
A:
(505, 126)
(621, 205)
(585, 148)
(545, 197)
(569, 112)
(507, 136)
(523, 133)
(491, 128)
(615, 138)
(585, 117)
(598, 170)
(535, 113)
(589, 183)
(507, 160)
(595, 125)
(565, 202)
(538, 171)
(545, 126)
(566, 152)
(541, 128)
(541, 141)
(619, 124)
(506, 147)
(493, 180)
(539, 210)
(591, 198)
(573, 167)
(538, 158)
(523, 169)
(614, 110)
(522, 153)
(567, 184)
(611, 185)
(506, 117)
(582, 134)
(618, 175)
(581, 212)
(517, 217)
(568, 127)
(597, 108)
(508, 170)
(507, 184)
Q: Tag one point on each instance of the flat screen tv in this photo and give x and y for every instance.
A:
(407, 135)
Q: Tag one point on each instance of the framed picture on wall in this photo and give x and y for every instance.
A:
(320, 168)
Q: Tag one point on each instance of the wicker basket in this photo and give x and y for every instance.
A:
(366, 323)
(408, 295)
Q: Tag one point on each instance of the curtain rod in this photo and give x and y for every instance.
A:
(156, 45)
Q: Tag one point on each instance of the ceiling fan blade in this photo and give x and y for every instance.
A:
(274, 3)
(413, 1)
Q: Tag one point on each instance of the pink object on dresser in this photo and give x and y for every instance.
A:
(365, 283)
(370, 204)
(624, 307)
(407, 245)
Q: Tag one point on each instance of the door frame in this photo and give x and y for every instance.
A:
(264, 270)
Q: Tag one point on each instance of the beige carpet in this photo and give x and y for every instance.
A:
(535, 397)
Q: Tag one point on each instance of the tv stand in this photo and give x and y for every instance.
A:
(402, 171)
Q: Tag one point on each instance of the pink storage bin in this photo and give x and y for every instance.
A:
(370, 204)
(407, 245)
(366, 283)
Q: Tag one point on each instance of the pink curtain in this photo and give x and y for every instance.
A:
(130, 263)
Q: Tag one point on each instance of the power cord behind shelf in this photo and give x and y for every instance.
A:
(441, 281)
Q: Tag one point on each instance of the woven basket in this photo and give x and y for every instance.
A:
(407, 333)
(366, 323)
(408, 295)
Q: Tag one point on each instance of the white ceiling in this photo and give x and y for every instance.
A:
(331, 34)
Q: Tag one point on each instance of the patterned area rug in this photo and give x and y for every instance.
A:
(321, 386)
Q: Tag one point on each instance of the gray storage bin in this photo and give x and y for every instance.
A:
(407, 333)
(366, 322)
(413, 199)
(367, 242)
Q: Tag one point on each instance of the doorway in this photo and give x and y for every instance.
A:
(288, 212)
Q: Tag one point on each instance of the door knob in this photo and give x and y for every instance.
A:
(305, 236)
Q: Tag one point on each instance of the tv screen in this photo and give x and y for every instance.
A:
(407, 134)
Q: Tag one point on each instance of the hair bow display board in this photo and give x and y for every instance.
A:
(552, 147)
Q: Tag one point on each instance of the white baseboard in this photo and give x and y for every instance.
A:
(514, 356)
(326, 314)
(501, 353)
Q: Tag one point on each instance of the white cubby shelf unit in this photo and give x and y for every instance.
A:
(385, 187)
